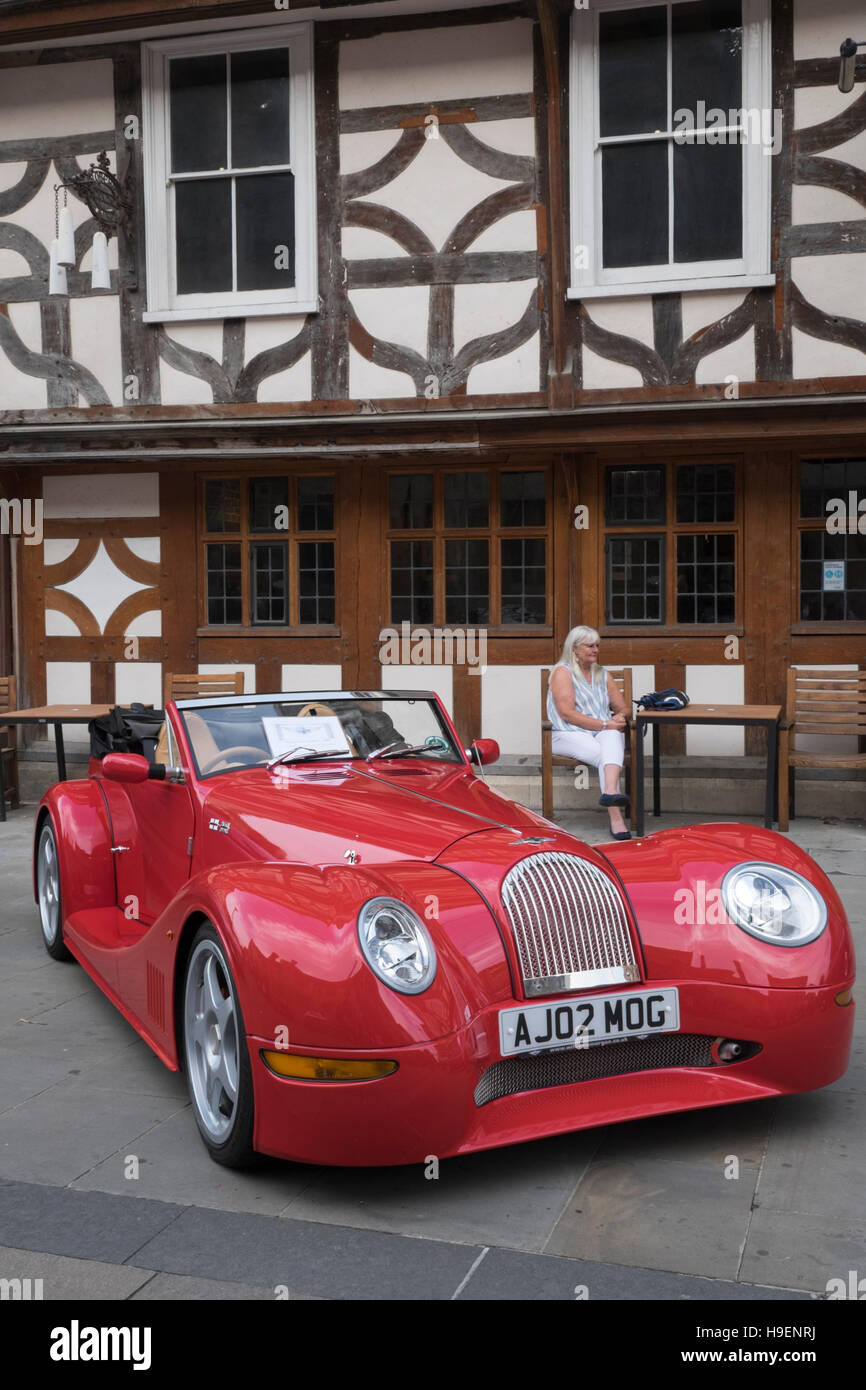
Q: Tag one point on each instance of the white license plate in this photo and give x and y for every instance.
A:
(599, 1018)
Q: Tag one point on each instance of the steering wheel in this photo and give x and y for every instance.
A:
(316, 707)
(228, 753)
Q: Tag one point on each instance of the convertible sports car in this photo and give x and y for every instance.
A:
(360, 953)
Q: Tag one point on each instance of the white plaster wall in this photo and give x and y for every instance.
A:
(248, 669)
(73, 495)
(17, 391)
(179, 388)
(361, 148)
(812, 357)
(511, 708)
(816, 26)
(44, 99)
(395, 315)
(436, 64)
(515, 371)
(138, 680)
(293, 384)
(517, 232)
(438, 678)
(363, 244)
(369, 382)
(600, 374)
(67, 683)
(632, 317)
(95, 328)
(311, 677)
(836, 284)
(101, 587)
(715, 685)
(737, 359)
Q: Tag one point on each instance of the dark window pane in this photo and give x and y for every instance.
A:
(316, 581)
(848, 553)
(523, 499)
(266, 496)
(222, 504)
(635, 495)
(412, 581)
(466, 499)
(636, 564)
(266, 231)
(634, 204)
(467, 584)
(198, 113)
(523, 581)
(412, 501)
(706, 571)
(708, 202)
(260, 108)
(824, 481)
(315, 504)
(223, 584)
(705, 492)
(203, 215)
(706, 55)
(269, 592)
(632, 71)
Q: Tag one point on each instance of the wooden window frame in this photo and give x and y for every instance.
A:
(245, 537)
(493, 533)
(589, 280)
(799, 524)
(669, 530)
(164, 304)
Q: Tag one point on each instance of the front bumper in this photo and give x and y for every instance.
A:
(428, 1107)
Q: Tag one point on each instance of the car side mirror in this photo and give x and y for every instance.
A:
(125, 767)
(484, 750)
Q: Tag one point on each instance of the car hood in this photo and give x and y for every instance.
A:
(316, 814)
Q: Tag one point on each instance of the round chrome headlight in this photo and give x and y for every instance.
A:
(774, 904)
(396, 945)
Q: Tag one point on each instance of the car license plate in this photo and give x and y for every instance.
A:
(600, 1018)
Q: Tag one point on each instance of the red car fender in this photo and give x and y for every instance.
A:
(290, 932)
(673, 880)
(83, 836)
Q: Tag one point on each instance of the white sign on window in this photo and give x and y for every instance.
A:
(834, 576)
(316, 734)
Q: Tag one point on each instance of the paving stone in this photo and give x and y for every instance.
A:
(804, 1251)
(507, 1197)
(685, 1217)
(330, 1261)
(709, 1136)
(814, 1162)
(172, 1287)
(86, 1225)
(174, 1166)
(65, 1278)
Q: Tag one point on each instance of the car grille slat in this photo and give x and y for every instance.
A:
(573, 1064)
(569, 925)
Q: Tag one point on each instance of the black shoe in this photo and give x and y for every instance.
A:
(613, 799)
(620, 834)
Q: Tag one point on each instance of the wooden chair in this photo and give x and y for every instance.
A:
(8, 747)
(819, 702)
(194, 686)
(549, 760)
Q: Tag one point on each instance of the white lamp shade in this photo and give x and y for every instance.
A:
(100, 278)
(56, 272)
(66, 239)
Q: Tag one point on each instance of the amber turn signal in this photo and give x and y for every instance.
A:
(325, 1068)
(846, 997)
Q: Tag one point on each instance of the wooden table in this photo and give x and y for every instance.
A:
(58, 715)
(766, 716)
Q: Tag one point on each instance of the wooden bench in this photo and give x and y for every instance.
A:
(825, 703)
(8, 747)
(199, 687)
(549, 760)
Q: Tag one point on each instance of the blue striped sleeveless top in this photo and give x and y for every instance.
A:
(591, 700)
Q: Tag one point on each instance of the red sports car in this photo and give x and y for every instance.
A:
(360, 953)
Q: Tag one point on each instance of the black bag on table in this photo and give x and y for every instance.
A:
(126, 730)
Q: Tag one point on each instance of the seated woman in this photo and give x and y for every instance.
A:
(588, 714)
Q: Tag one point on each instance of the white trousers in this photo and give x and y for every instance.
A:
(606, 746)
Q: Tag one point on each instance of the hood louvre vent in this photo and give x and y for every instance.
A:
(569, 925)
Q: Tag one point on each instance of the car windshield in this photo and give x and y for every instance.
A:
(237, 734)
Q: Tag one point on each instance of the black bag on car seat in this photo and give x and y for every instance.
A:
(126, 730)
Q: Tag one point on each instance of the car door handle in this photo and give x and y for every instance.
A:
(119, 849)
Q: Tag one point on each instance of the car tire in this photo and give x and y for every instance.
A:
(48, 892)
(215, 1055)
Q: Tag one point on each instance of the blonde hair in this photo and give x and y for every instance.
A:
(575, 638)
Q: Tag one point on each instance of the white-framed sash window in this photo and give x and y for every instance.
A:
(673, 135)
(229, 174)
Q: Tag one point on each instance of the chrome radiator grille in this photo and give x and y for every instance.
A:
(569, 925)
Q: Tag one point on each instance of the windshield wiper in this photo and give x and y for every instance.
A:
(393, 750)
(309, 755)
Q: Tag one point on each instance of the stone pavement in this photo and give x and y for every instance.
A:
(635, 1211)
